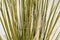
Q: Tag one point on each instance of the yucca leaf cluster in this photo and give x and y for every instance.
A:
(27, 19)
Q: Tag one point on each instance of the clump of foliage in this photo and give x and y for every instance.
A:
(26, 19)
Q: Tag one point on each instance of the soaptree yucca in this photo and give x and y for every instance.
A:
(27, 19)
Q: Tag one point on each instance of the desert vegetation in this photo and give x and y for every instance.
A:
(27, 19)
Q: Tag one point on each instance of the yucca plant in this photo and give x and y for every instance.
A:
(27, 19)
